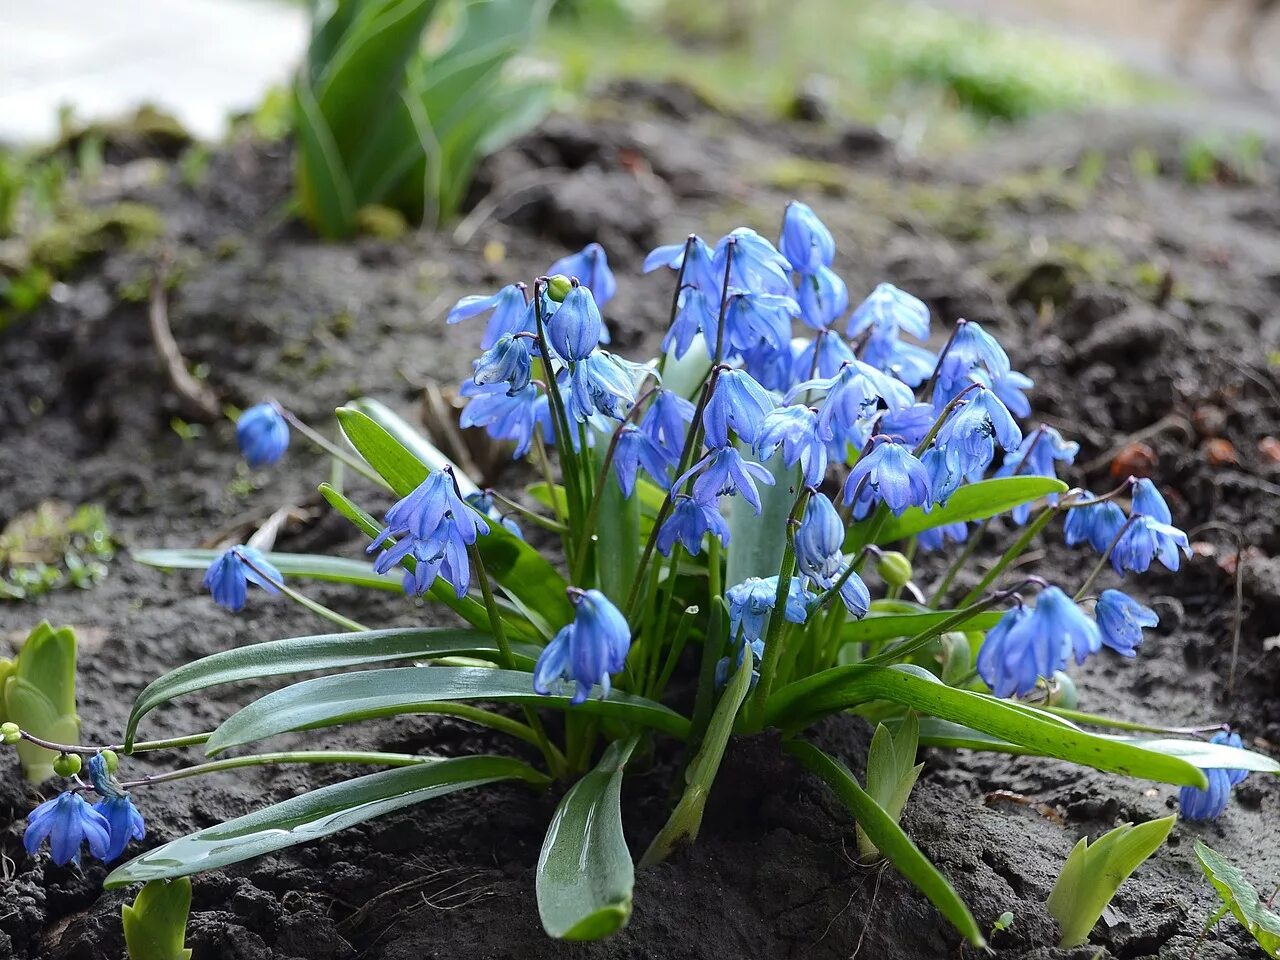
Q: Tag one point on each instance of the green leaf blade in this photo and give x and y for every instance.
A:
(973, 501)
(307, 566)
(155, 924)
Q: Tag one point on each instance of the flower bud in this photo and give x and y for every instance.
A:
(67, 765)
(10, 733)
(111, 760)
(1062, 691)
(558, 287)
(894, 568)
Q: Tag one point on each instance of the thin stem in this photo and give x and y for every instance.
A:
(173, 743)
(1102, 560)
(940, 592)
(927, 393)
(532, 516)
(1077, 716)
(730, 245)
(675, 296)
(676, 648)
(954, 402)
(1014, 551)
(323, 442)
(265, 759)
(346, 623)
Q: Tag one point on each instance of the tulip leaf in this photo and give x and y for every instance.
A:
(351, 697)
(1094, 872)
(973, 501)
(875, 628)
(317, 814)
(585, 875)
(889, 838)
(892, 772)
(617, 537)
(1240, 897)
(39, 695)
(307, 566)
(155, 924)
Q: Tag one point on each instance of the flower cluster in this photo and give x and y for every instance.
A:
(68, 821)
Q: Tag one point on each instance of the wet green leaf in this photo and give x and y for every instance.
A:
(1239, 896)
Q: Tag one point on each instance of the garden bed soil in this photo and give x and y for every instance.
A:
(1136, 303)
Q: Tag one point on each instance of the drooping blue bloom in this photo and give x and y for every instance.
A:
(575, 328)
(888, 310)
(823, 296)
(1060, 616)
(100, 776)
(820, 541)
(1011, 391)
(796, 430)
(1121, 619)
(1027, 645)
(1037, 456)
(262, 434)
(689, 522)
(971, 346)
(67, 821)
(757, 264)
(833, 353)
(944, 480)
(635, 450)
(754, 317)
(724, 472)
(124, 822)
(483, 504)
(230, 574)
(892, 473)
(908, 362)
(697, 312)
(738, 403)
(770, 366)
(751, 601)
(1197, 804)
(1096, 524)
(1148, 502)
(508, 361)
(1147, 539)
(510, 313)
(590, 266)
(970, 434)
(854, 594)
(506, 416)
(666, 423)
(853, 397)
(586, 651)
(912, 424)
(806, 241)
(601, 382)
(700, 272)
(935, 538)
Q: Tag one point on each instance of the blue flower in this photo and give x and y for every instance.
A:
(697, 312)
(666, 423)
(575, 328)
(506, 416)
(722, 473)
(635, 450)
(820, 541)
(796, 430)
(757, 265)
(935, 538)
(970, 434)
(590, 266)
(912, 424)
(1197, 804)
(689, 522)
(737, 403)
(891, 472)
(1097, 524)
(911, 364)
(601, 382)
(507, 361)
(833, 353)
(854, 594)
(511, 314)
(770, 366)
(823, 297)
(1147, 539)
(262, 434)
(888, 310)
(484, 505)
(124, 822)
(1009, 389)
(752, 317)
(1036, 456)
(1121, 619)
(806, 241)
(970, 347)
(751, 601)
(228, 577)
(67, 821)
(853, 398)
(1148, 502)
(100, 776)
(944, 480)
(699, 273)
(1027, 645)
(586, 651)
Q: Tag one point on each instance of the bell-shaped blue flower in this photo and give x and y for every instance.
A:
(888, 310)
(970, 435)
(1121, 619)
(508, 361)
(601, 382)
(770, 366)
(506, 416)
(751, 601)
(1027, 645)
(893, 474)
(971, 347)
(586, 651)
(1197, 804)
(1096, 524)
(666, 423)
(944, 479)
(1011, 389)
(751, 317)
(67, 821)
(806, 241)
(757, 264)
(1146, 539)
(590, 266)
(124, 822)
(262, 434)
(908, 362)
(853, 397)
(231, 572)
(697, 312)
(1148, 502)
(699, 273)
(689, 522)
(738, 403)
(832, 354)
(796, 430)
(1037, 456)
(823, 297)
(634, 450)
(820, 541)
(724, 472)
(510, 313)
(912, 424)
(575, 328)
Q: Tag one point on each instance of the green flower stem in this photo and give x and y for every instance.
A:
(675, 649)
(675, 296)
(1096, 720)
(532, 516)
(344, 456)
(1014, 551)
(346, 623)
(731, 244)
(1102, 560)
(955, 401)
(559, 418)
(173, 743)
(267, 759)
(909, 646)
(705, 699)
(958, 564)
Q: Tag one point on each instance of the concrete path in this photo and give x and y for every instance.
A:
(198, 59)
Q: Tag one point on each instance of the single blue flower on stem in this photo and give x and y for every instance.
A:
(806, 241)
(1027, 645)
(228, 577)
(1148, 502)
(751, 317)
(590, 266)
(944, 479)
(1011, 390)
(689, 522)
(772, 367)
(724, 472)
(67, 821)
(1096, 523)
(124, 822)
(586, 651)
(1120, 620)
(853, 397)
(666, 423)
(971, 347)
(697, 312)
(892, 473)
(823, 296)
(757, 264)
(796, 430)
(262, 434)
(908, 362)
(970, 434)
(510, 312)
(888, 310)
(504, 415)
(634, 450)
(1037, 456)
(575, 328)
(601, 382)
(820, 541)
(1146, 539)
(699, 273)
(751, 601)
(832, 353)
(1197, 804)
(508, 361)
(737, 403)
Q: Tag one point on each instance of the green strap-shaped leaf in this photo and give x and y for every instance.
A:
(889, 838)
(876, 629)
(1240, 897)
(40, 696)
(327, 651)
(322, 189)
(348, 698)
(155, 924)
(973, 501)
(307, 566)
(617, 544)
(317, 814)
(585, 874)
(836, 689)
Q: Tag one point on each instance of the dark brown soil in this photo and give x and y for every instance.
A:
(1131, 301)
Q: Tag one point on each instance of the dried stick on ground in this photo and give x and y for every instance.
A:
(198, 401)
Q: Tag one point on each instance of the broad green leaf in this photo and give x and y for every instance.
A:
(351, 697)
(329, 651)
(317, 814)
(839, 688)
(756, 542)
(892, 772)
(521, 570)
(308, 566)
(617, 546)
(426, 453)
(1239, 896)
(973, 501)
(889, 838)
(585, 875)
(322, 189)
(1094, 872)
(875, 628)
(40, 696)
(155, 924)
